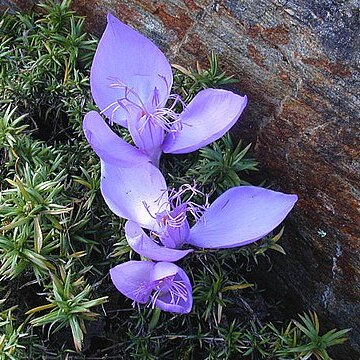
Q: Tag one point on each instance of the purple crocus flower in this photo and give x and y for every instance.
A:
(162, 284)
(131, 81)
(238, 217)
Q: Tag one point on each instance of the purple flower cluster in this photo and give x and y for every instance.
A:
(131, 81)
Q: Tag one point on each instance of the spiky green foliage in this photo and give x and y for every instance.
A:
(69, 303)
(44, 212)
(308, 330)
(10, 128)
(189, 81)
(221, 163)
(58, 239)
(11, 336)
(43, 66)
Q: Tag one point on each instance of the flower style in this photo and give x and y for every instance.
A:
(131, 81)
(238, 217)
(162, 284)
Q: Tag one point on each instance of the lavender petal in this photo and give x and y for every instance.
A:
(208, 117)
(241, 216)
(133, 193)
(132, 279)
(145, 246)
(178, 297)
(125, 57)
(108, 146)
(148, 137)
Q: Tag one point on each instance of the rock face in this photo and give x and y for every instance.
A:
(298, 61)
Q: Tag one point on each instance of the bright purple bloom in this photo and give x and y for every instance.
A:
(131, 81)
(108, 146)
(238, 217)
(162, 284)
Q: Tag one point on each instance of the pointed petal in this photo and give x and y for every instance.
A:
(166, 240)
(180, 286)
(179, 233)
(163, 270)
(139, 279)
(241, 216)
(207, 118)
(148, 137)
(176, 227)
(132, 279)
(127, 58)
(109, 146)
(128, 191)
(145, 246)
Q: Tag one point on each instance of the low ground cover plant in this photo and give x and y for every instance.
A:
(59, 238)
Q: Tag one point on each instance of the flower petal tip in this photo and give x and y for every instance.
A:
(109, 146)
(207, 118)
(249, 212)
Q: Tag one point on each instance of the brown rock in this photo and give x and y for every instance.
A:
(298, 62)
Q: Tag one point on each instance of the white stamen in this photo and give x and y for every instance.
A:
(162, 116)
(175, 288)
